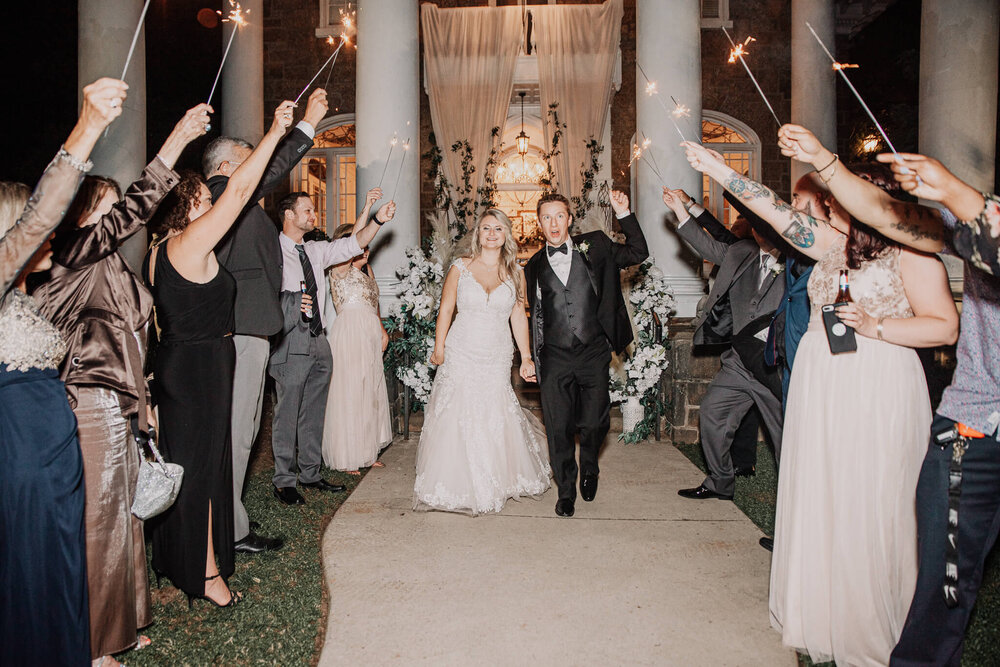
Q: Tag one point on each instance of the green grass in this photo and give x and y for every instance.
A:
(281, 619)
(756, 497)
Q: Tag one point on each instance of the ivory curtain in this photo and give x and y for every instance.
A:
(469, 56)
(577, 47)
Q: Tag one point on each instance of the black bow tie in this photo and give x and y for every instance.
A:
(559, 248)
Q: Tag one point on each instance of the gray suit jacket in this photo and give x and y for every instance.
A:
(735, 299)
(294, 330)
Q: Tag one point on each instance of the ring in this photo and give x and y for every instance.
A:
(208, 127)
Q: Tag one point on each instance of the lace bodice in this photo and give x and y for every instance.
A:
(481, 332)
(28, 340)
(877, 286)
(355, 286)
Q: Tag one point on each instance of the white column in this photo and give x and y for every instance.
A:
(242, 85)
(668, 47)
(387, 89)
(814, 83)
(958, 86)
(105, 33)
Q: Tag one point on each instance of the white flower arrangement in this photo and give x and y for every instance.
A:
(642, 372)
(651, 294)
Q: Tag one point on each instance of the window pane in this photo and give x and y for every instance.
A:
(312, 179)
(346, 207)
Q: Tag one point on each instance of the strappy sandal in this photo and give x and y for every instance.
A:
(234, 597)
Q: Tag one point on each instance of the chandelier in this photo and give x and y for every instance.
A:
(522, 139)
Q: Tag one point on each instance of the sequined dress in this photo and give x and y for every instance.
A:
(478, 447)
(845, 543)
(356, 426)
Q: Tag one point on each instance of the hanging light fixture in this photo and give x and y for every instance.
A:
(522, 138)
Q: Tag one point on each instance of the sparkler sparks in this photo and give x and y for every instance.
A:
(737, 53)
(840, 66)
(236, 17)
(333, 57)
(679, 109)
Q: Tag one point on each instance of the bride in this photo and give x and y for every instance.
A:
(478, 447)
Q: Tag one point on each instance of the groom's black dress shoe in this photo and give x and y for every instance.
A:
(565, 507)
(588, 487)
(324, 485)
(289, 495)
(744, 471)
(701, 493)
(255, 544)
(767, 543)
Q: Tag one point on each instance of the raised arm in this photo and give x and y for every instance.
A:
(810, 235)
(634, 250)
(365, 235)
(519, 325)
(449, 295)
(102, 103)
(707, 247)
(911, 224)
(191, 251)
(371, 197)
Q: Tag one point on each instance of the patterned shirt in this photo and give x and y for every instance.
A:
(973, 397)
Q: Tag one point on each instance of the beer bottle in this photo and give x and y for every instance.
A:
(307, 315)
(844, 293)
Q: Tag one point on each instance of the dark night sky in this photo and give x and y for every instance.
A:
(39, 49)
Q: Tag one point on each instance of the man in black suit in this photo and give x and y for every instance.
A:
(578, 317)
(252, 254)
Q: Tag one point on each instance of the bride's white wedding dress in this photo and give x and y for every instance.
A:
(478, 447)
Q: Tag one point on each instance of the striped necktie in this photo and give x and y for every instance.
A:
(316, 323)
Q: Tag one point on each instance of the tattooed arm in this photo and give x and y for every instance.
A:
(809, 235)
(911, 224)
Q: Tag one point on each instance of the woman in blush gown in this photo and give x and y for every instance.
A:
(478, 446)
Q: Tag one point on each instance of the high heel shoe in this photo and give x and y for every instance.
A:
(234, 597)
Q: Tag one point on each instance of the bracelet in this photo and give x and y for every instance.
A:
(377, 221)
(878, 328)
(79, 165)
(832, 173)
(835, 158)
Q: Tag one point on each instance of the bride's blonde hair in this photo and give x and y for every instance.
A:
(508, 253)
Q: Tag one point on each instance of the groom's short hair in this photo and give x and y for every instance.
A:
(551, 197)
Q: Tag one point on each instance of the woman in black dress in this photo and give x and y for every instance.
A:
(194, 299)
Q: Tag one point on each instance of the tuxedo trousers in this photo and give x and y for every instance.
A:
(575, 399)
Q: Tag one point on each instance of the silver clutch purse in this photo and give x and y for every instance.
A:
(159, 482)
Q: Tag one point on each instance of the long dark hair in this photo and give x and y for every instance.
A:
(864, 244)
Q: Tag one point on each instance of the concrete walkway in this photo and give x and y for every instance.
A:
(637, 577)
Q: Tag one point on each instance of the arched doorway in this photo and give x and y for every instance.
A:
(740, 146)
(327, 173)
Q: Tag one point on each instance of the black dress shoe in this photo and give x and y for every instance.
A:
(255, 544)
(744, 471)
(324, 485)
(588, 487)
(767, 543)
(701, 493)
(565, 507)
(289, 495)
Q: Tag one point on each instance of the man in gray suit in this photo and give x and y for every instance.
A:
(745, 294)
(301, 361)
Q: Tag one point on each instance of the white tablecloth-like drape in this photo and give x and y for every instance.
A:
(469, 55)
(577, 48)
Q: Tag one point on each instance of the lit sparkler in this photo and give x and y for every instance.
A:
(840, 66)
(135, 38)
(235, 17)
(333, 57)
(854, 90)
(678, 110)
(392, 144)
(737, 53)
(406, 150)
(638, 153)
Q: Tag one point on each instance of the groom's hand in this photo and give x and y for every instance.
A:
(619, 202)
(528, 371)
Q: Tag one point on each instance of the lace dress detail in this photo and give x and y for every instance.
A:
(354, 287)
(28, 340)
(845, 557)
(478, 446)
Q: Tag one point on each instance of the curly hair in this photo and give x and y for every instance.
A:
(174, 214)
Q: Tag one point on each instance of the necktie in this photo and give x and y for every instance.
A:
(316, 323)
(559, 248)
(765, 265)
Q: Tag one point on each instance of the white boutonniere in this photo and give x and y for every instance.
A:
(584, 248)
(777, 268)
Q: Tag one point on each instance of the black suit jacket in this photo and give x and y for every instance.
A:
(250, 250)
(604, 260)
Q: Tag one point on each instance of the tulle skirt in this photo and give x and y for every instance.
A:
(357, 424)
(845, 542)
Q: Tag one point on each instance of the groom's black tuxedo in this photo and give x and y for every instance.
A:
(574, 327)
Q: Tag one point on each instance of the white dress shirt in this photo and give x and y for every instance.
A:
(321, 254)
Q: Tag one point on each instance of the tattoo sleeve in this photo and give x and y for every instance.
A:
(800, 232)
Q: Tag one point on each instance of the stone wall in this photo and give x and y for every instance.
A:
(686, 380)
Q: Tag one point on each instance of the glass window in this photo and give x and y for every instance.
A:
(327, 173)
(740, 147)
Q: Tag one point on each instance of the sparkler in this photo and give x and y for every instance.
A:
(347, 17)
(679, 109)
(406, 149)
(392, 144)
(737, 54)
(333, 56)
(638, 153)
(235, 16)
(135, 38)
(854, 90)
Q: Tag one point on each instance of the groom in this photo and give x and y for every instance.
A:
(577, 317)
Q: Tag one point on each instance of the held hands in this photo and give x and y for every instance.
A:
(386, 212)
(527, 371)
(316, 108)
(853, 316)
(282, 118)
(437, 356)
(619, 202)
(800, 144)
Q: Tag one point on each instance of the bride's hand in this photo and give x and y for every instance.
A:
(437, 357)
(528, 371)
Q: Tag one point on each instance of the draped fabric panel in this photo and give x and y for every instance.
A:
(577, 48)
(469, 56)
